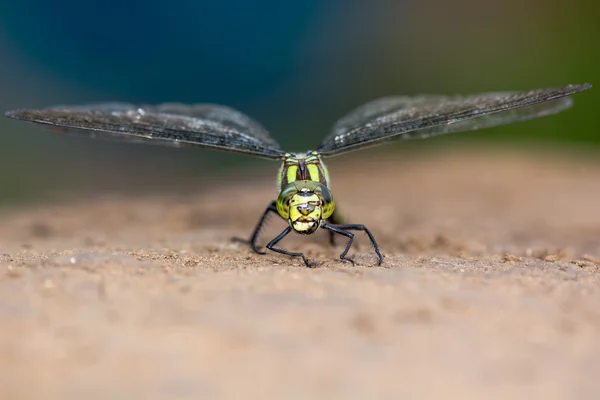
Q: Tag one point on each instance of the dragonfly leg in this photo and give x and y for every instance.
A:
(256, 233)
(343, 230)
(272, 243)
(336, 219)
(333, 230)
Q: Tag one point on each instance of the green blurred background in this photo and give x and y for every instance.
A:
(294, 67)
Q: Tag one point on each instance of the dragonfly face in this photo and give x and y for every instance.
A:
(304, 200)
(305, 204)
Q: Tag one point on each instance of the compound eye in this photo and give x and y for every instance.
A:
(283, 201)
(327, 202)
(325, 195)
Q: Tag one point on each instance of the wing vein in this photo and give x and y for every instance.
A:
(422, 116)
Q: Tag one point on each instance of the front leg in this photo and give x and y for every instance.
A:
(254, 238)
(358, 227)
(272, 243)
(334, 229)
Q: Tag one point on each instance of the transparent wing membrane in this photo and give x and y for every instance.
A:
(170, 124)
(406, 117)
(223, 128)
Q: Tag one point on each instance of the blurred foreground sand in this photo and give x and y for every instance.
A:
(490, 288)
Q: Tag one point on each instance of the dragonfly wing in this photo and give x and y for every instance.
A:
(169, 124)
(406, 117)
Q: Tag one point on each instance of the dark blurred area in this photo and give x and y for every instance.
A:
(296, 67)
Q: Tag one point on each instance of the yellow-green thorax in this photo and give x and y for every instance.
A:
(302, 167)
(304, 199)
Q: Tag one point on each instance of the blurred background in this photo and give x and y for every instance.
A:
(294, 66)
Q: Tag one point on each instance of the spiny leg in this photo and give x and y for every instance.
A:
(335, 229)
(359, 227)
(272, 243)
(254, 238)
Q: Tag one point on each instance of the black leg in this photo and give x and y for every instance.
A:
(254, 238)
(357, 227)
(332, 238)
(334, 229)
(336, 219)
(272, 243)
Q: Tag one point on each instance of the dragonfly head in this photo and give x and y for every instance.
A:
(305, 204)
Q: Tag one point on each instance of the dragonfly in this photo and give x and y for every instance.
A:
(305, 200)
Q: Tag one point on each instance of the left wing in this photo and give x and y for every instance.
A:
(406, 117)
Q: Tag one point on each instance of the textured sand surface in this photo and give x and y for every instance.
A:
(490, 288)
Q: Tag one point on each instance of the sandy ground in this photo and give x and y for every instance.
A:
(490, 288)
